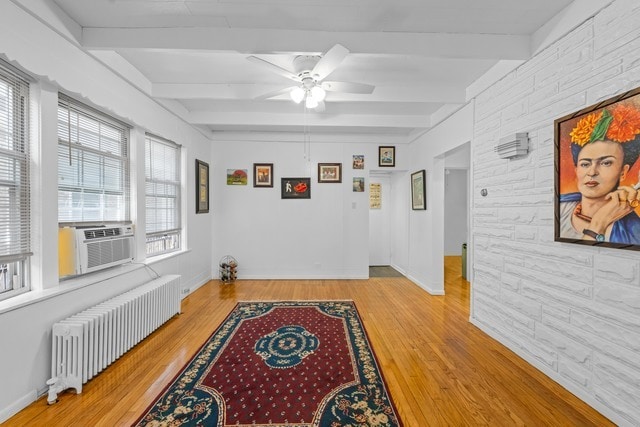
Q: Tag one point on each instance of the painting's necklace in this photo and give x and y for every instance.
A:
(578, 212)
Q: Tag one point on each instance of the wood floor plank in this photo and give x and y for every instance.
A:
(440, 369)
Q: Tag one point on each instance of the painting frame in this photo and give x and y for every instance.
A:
(358, 161)
(263, 175)
(358, 184)
(330, 173)
(386, 156)
(297, 188)
(202, 187)
(237, 177)
(579, 139)
(419, 190)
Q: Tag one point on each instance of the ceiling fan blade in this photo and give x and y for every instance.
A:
(274, 93)
(273, 68)
(329, 61)
(348, 87)
(320, 108)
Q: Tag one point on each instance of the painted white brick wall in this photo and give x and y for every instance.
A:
(573, 311)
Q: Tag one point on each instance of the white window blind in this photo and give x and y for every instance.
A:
(93, 165)
(162, 188)
(15, 221)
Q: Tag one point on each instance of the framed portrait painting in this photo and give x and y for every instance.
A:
(263, 174)
(202, 187)
(295, 188)
(330, 172)
(597, 197)
(387, 156)
(418, 191)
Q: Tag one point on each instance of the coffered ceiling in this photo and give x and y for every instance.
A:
(421, 56)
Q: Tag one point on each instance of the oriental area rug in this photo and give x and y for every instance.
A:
(280, 364)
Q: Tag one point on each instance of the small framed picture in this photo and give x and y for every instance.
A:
(418, 191)
(236, 177)
(202, 187)
(387, 156)
(263, 174)
(329, 172)
(358, 184)
(295, 188)
(358, 161)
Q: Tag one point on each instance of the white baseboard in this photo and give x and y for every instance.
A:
(18, 405)
(427, 288)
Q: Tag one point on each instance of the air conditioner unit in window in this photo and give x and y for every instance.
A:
(85, 250)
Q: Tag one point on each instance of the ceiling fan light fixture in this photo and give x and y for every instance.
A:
(318, 93)
(311, 102)
(297, 94)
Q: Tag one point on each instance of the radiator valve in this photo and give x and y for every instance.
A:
(56, 385)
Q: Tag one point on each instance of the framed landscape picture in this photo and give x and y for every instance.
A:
(263, 174)
(329, 172)
(358, 184)
(237, 177)
(202, 187)
(295, 188)
(387, 156)
(597, 201)
(418, 191)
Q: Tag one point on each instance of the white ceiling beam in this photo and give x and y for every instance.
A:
(256, 41)
(249, 119)
(223, 91)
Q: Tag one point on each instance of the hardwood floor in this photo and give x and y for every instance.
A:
(440, 369)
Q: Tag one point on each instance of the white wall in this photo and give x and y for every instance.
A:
(426, 228)
(56, 64)
(572, 311)
(323, 237)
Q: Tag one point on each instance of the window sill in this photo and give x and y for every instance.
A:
(75, 283)
(158, 258)
(68, 285)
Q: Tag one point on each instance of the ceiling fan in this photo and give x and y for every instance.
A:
(309, 74)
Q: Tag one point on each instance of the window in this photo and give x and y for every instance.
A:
(15, 221)
(93, 165)
(162, 188)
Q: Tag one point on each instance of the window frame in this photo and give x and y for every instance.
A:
(168, 238)
(15, 159)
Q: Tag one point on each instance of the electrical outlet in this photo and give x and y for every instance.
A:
(185, 291)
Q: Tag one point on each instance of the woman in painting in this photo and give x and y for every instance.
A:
(604, 146)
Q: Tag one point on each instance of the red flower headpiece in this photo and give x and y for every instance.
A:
(621, 124)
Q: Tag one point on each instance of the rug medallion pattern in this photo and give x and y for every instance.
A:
(280, 364)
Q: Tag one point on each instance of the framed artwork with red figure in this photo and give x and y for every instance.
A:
(597, 183)
(295, 188)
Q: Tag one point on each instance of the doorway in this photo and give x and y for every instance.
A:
(456, 217)
(380, 221)
(389, 225)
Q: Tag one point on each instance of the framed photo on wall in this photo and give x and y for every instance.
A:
(329, 172)
(202, 187)
(387, 156)
(358, 184)
(418, 191)
(295, 188)
(263, 174)
(358, 161)
(237, 177)
(597, 197)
